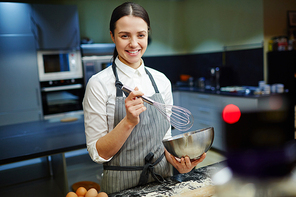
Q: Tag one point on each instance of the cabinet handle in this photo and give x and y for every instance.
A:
(33, 29)
(38, 97)
(76, 35)
(40, 116)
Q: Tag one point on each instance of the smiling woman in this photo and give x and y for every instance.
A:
(123, 132)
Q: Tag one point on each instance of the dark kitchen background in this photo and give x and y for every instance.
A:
(248, 40)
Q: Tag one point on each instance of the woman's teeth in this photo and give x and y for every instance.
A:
(133, 52)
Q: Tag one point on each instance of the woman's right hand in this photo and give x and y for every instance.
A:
(134, 106)
(108, 145)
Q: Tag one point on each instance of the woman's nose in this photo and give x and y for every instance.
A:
(133, 42)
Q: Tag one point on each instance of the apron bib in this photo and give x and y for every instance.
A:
(126, 167)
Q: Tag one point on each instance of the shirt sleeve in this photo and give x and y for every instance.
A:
(95, 117)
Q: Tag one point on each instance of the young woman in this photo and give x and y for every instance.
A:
(123, 132)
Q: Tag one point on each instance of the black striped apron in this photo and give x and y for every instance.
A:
(141, 158)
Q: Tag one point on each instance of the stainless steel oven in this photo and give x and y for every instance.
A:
(61, 96)
(61, 82)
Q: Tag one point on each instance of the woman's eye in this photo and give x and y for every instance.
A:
(141, 35)
(124, 36)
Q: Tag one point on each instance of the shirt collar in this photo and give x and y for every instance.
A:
(129, 71)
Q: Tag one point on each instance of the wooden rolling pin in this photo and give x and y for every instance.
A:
(200, 192)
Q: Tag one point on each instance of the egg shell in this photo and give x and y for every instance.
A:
(81, 191)
(102, 194)
(92, 192)
(71, 194)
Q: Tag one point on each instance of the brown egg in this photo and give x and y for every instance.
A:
(81, 191)
(102, 194)
(92, 192)
(71, 194)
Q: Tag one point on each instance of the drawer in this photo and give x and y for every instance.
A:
(200, 123)
(204, 112)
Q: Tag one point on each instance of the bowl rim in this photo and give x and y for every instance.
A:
(187, 134)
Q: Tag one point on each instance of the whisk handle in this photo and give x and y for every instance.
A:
(146, 99)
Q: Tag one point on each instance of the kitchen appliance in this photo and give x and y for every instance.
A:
(61, 96)
(215, 78)
(192, 144)
(178, 117)
(61, 82)
(94, 64)
(96, 57)
(59, 65)
(220, 77)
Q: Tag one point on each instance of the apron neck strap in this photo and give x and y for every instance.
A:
(119, 85)
(152, 81)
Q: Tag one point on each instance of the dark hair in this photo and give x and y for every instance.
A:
(125, 9)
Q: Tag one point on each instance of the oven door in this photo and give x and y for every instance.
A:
(61, 99)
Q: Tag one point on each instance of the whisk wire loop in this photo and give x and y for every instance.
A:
(179, 117)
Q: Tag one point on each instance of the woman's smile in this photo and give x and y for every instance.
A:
(133, 52)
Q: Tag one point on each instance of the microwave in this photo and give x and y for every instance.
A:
(59, 65)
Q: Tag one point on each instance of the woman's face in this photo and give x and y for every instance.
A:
(131, 39)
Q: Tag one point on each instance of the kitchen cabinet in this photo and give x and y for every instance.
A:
(24, 29)
(282, 69)
(15, 18)
(19, 82)
(207, 108)
(55, 26)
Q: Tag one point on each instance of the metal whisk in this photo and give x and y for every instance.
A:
(179, 117)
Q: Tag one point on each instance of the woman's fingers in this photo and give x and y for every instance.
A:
(199, 160)
(134, 103)
(185, 164)
(134, 106)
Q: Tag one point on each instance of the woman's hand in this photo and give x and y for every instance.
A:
(183, 165)
(134, 106)
(108, 145)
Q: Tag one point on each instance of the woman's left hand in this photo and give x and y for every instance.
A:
(184, 164)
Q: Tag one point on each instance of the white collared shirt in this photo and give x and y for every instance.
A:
(99, 99)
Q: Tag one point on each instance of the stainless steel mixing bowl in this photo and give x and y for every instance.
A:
(192, 144)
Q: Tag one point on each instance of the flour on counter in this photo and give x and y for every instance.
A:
(181, 188)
